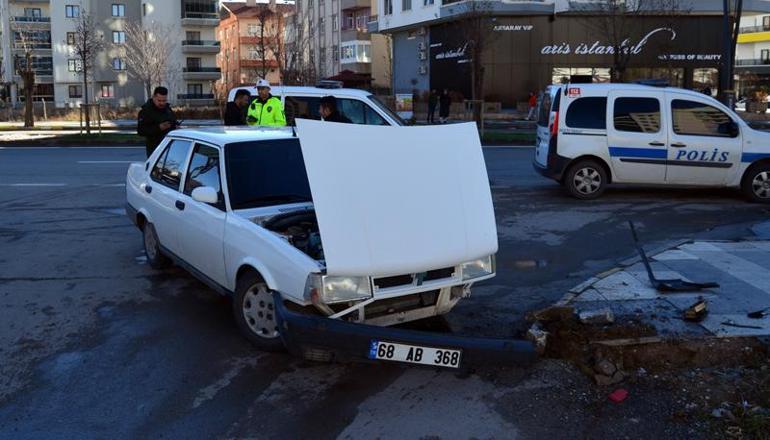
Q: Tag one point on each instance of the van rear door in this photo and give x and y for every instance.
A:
(547, 121)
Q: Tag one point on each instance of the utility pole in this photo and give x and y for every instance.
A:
(726, 95)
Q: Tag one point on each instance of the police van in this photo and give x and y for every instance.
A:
(592, 135)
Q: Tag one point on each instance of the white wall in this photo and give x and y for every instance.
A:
(60, 25)
(418, 14)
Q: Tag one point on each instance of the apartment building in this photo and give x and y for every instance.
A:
(535, 43)
(752, 55)
(253, 38)
(48, 27)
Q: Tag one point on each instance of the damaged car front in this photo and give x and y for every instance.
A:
(378, 227)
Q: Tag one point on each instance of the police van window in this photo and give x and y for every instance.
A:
(698, 119)
(304, 107)
(638, 115)
(588, 113)
(204, 171)
(545, 109)
(172, 160)
(374, 118)
(353, 109)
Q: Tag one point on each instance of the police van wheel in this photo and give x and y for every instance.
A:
(756, 183)
(254, 312)
(586, 180)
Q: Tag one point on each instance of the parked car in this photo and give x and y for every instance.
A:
(324, 227)
(591, 135)
(302, 102)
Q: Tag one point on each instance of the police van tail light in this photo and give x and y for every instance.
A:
(555, 124)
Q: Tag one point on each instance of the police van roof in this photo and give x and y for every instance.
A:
(305, 90)
(228, 135)
(607, 87)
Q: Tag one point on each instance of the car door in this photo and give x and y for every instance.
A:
(637, 136)
(201, 225)
(163, 192)
(705, 143)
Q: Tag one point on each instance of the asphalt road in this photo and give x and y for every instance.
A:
(94, 343)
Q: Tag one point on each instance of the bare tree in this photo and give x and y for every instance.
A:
(24, 67)
(293, 59)
(88, 43)
(269, 46)
(147, 53)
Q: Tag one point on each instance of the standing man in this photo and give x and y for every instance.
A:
(156, 119)
(235, 111)
(329, 113)
(266, 110)
(532, 105)
(432, 103)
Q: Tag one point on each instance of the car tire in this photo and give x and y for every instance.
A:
(756, 183)
(254, 312)
(155, 257)
(585, 180)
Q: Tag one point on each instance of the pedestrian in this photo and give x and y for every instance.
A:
(532, 105)
(235, 111)
(266, 110)
(155, 119)
(329, 113)
(432, 103)
(444, 102)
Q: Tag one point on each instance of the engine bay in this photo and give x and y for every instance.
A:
(300, 229)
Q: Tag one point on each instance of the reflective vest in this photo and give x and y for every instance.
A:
(269, 114)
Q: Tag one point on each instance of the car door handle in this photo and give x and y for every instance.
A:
(147, 189)
(678, 145)
(179, 205)
(657, 144)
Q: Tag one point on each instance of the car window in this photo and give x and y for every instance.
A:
(698, 119)
(385, 109)
(204, 171)
(158, 168)
(545, 109)
(266, 173)
(374, 118)
(170, 173)
(588, 113)
(638, 115)
(353, 109)
(304, 107)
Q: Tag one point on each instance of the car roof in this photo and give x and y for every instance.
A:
(283, 90)
(607, 87)
(227, 135)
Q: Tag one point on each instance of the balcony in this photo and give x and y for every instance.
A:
(27, 19)
(355, 4)
(24, 22)
(35, 47)
(201, 73)
(200, 46)
(195, 99)
(753, 62)
(754, 29)
(355, 34)
(208, 19)
(373, 25)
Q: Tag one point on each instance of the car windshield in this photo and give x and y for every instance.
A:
(386, 110)
(266, 173)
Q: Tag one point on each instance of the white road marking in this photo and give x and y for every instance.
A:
(105, 161)
(33, 184)
(46, 185)
(238, 364)
(110, 185)
(73, 148)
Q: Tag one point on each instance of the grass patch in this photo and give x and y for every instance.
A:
(507, 137)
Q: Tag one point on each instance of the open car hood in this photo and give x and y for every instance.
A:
(393, 200)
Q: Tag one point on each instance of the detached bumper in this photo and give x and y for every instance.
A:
(325, 339)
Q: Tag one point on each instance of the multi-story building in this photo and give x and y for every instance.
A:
(48, 27)
(752, 56)
(253, 38)
(529, 44)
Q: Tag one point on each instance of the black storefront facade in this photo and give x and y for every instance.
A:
(526, 53)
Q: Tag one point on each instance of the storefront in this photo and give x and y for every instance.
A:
(524, 54)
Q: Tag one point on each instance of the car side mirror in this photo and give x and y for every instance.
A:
(205, 194)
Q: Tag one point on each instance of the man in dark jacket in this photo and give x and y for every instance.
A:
(156, 119)
(329, 112)
(235, 112)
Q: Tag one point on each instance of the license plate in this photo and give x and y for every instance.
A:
(390, 351)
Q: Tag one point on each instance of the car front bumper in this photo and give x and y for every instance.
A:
(324, 339)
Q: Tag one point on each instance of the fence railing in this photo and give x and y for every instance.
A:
(200, 43)
(754, 29)
(753, 62)
(202, 69)
(26, 19)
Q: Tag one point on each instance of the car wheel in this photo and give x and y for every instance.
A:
(254, 313)
(155, 258)
(756, 183)
(586, 180)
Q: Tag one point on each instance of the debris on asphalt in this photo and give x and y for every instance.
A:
(618, 395)
(553, 314)
(697, 311)
(600, 316)
(731, 323)
(759, 314)
(538, 336)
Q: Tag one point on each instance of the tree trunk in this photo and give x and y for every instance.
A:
(29, 89)
(85, 95)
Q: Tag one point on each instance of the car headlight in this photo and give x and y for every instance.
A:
(334, 289)
(478, 268)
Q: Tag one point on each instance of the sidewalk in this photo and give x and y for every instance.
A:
(106, 124)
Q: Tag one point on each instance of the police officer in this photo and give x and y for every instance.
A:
(266, 110)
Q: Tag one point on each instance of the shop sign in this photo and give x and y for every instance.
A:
(598, 48)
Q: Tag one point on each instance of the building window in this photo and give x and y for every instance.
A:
(388, 9)
(406, 5)
(108, 91)
(764, 54)
(766, 22)
(32, 12)
(118, 10)
(335, 22)
(427, 2)
(72, 11)
(118, 64)
(70, 38)
(118, 37)
(76, 91)
(74, 65)
(322, 56)
(253, 30)
(144, 9)
(193, 36)
(336, 53)
(193, 63)
(195, 89)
